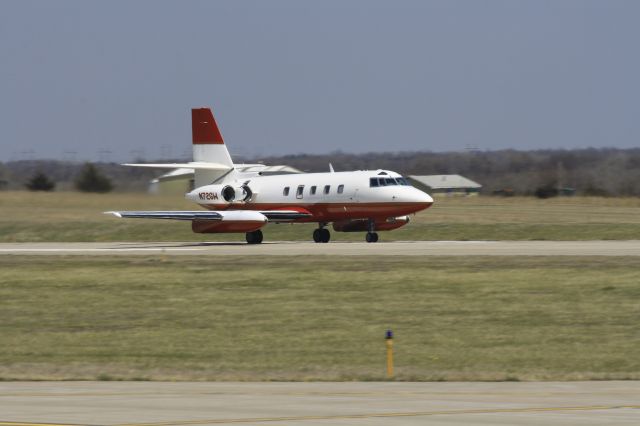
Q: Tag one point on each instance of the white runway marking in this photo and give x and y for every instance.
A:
(93, 250)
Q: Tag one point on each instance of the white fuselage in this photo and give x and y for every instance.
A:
(328, 196)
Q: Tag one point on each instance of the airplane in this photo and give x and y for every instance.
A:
(238, 200)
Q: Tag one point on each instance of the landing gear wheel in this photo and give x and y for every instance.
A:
(372, 237)
(254, 237)
(321, 235)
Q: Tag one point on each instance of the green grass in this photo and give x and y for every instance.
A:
(68, 216)
(318, 318)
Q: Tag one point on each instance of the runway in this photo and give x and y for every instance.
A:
(372, 403)
(288, 248)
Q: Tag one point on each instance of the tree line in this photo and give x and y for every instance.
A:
(88, 179)
(601, 172)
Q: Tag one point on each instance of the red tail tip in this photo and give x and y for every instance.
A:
(204, 127)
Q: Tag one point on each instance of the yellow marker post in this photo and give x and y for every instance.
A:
(389, 340)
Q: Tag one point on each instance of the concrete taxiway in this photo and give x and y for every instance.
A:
(372, 403)
(281, 248)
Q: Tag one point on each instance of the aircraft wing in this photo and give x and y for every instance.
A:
(285, 215)
(175, 215)
(223, 215)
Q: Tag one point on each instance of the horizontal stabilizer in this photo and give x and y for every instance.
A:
(192, 165)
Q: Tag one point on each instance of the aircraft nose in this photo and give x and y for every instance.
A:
(425, 198)
(420, 198)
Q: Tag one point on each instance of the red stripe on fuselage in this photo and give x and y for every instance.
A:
(329, 212)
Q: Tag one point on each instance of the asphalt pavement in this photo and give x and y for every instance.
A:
(349, 403)
(287, 248)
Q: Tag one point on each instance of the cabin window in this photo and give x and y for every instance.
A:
(299, 191)
(313, 190)
(373, 182)
(340, 189)
(285, 191)
(327, 188)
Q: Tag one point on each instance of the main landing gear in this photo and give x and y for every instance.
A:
(372, 236)
(254, 237)
(321, 235)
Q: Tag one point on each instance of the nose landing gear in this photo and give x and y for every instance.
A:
(372, 236)
(321, 235)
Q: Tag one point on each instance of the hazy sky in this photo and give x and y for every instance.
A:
(81, 77)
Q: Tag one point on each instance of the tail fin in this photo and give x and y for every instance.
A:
(211, 160)
(208, 145)
(204, 127)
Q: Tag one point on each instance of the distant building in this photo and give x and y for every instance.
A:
(180, 181)
(446, 184)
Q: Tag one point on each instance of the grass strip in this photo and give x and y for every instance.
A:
(318, 318)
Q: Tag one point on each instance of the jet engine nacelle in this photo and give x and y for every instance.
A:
(362, 225)
(221, 194)
(234, 194)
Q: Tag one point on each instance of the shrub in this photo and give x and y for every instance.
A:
(546, 192)
(91, 180)
(40, 182)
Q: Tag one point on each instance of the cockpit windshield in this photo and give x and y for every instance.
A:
(375, 182)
